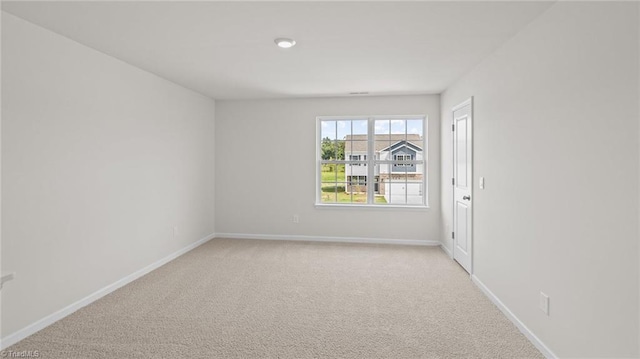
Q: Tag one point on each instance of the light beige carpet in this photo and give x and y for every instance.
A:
(276, 299)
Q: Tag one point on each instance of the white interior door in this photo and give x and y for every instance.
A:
(462, 128)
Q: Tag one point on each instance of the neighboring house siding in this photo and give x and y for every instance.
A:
(355, 170)
(403, 183)
(404, 150)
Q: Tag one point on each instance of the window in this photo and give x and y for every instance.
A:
(378, 160)
(357, 158)
(401, 158)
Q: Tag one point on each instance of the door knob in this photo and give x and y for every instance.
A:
(468, 198)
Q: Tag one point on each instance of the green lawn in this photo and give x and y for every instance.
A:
(333, 173)
(343, 197)
(333, 180)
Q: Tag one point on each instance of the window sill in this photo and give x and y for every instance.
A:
(372, 206)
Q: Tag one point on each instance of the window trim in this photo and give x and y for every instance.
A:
(372, 161)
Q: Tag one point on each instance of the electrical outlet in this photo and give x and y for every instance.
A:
(296, 218)
(175, 231)
(544, 303)
(481, 182)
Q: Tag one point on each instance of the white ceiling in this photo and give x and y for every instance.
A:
(225, 50)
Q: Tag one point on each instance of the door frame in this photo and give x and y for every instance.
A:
(466, 102)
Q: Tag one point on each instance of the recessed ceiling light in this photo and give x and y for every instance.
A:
(284, 42)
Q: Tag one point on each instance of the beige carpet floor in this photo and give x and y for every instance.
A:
(278, 299)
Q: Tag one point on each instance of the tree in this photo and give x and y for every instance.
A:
(328, 150)
(331, 150)
(339, 150)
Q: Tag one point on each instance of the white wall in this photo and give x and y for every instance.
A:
(556, 137)
(265, 170)
(100, 161)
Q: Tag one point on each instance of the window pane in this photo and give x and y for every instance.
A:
(378, 197)
(403, 168)
(357, 184)
(402, 188)
(355, 191)
(360, 127)
(356, 140)
(359, 197)
(396, 193)
(381, 177)
(414, 127)
(338, 146)
(398, 187)
(344, 129)
(381, 146)
(398, 127)
(328, 149)
(340, 173)
(415, 192)
(328, 193)
(332, 185)
(382, 171)
(332, 175)
(352, 148)
(328, 130)
(382, 127)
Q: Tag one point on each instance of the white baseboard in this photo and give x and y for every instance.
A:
(446, 250)
(290, 237)
(52, 318)
(523, 328)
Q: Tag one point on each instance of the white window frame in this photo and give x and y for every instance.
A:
(372, 160)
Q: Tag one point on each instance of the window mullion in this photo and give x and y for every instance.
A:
(319, 161)
(370, 160)
(406, 176)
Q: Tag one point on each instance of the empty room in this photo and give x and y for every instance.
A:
(320, 179)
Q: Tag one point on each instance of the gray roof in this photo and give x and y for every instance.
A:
(358, 143)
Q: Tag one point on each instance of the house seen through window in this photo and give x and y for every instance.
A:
(372, 161)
